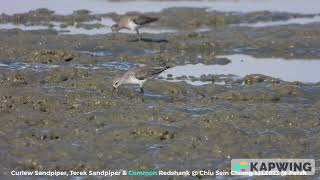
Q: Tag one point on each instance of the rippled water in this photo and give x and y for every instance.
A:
(45, 67)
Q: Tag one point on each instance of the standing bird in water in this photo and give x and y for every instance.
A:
(132, 23)
(138, 76)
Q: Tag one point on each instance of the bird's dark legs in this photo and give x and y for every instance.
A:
(141, 90)
(138, 34)
(113, 91)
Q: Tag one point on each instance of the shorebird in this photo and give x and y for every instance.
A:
(132, 23)
(138, 76)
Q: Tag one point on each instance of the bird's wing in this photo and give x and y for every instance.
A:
(123, 21)
(141, 20)
(148, 72)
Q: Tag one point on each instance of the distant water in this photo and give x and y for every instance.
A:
(105, 6)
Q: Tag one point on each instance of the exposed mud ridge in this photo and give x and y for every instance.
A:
(65, 117)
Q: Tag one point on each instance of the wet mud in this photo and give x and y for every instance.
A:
(65, 117)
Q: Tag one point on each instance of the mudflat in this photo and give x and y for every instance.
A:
(57, 112)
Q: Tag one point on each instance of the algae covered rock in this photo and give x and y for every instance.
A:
(48, 56)
(259, 78)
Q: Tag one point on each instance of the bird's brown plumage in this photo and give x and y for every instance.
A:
(141, 20)
(148, 72)
(132, 23)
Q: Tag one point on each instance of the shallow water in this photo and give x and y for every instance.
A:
(103, 6)
(21, 26)
(105, 29)
(118, 51)
(45, 67)
(241, 65)
(108, 22)
(301, 70)
(314, 19)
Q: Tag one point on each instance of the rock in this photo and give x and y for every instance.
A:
(249, 95)
(47, 56)
(288, 90)
(221, 61)
(259, 78)
(173, 89)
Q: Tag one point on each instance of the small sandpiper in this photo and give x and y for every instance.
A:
(132, 23)
(138, 76)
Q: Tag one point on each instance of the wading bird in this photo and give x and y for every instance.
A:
(132, 23)
(138, 76)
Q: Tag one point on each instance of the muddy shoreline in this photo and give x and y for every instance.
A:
(64, 118)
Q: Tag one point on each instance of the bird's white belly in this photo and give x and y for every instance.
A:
(132, 26)
(134, 80)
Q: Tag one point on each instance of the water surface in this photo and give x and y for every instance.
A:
(104, 6)
(45, 67)
(302, 70)
(105, 28)
(306, 20)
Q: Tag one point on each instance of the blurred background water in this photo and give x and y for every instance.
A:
(121, 7)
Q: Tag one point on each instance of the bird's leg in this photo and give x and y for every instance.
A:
(113, 91)
(141, 90)
(138, 34)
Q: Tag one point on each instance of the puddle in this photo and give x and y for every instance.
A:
(21, 66)
(70, 29)
(296, 51)
(119, 51)
(203, 29)
(104, 6)
(314, 19)
(21, 26)
(56, 26)
(195, 111)
(45, 67)
(97, 53)
(104, 29)
(302, 70)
